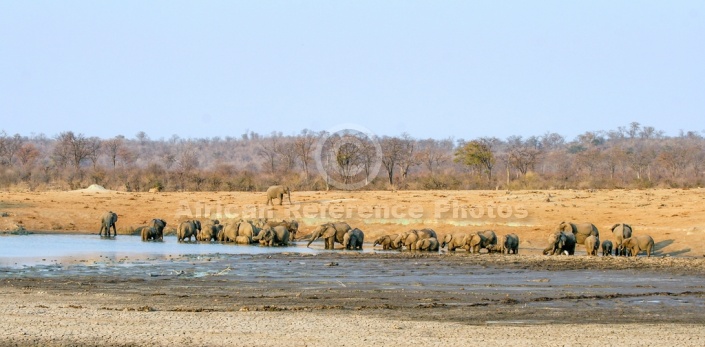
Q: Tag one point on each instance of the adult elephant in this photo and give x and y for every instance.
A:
(386, 241)
(187, 229)
(620, 231)
(581, 231)
(108, 221)
(292, 225)
(274, 236)
(454, 241)
(249, 230)
(331, 233)
(411, 237)
(430, 244)
(639, 243)
(155, 231)
(353, 239)
(277, 192)
(482, 239)
(229, 232)
(560, 242)
(210, 231)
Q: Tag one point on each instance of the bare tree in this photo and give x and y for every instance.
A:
(9, 145)
(523, 155)
(409, 157)
(392, 151)
(304, 146)
(72, 149)
(113, 147)
(93, 145)
(434, 153)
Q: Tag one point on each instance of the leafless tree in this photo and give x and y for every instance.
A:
(392, 151)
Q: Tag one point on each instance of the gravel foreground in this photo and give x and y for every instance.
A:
(36, 325)
(348, 299)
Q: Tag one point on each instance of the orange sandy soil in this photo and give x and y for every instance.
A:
(674, 218)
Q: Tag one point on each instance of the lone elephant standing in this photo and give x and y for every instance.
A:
(106, 222)
(277, 192)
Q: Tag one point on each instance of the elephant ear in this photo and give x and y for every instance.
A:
(329, 232)
(614, 226)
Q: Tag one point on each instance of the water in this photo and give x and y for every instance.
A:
(34, 249)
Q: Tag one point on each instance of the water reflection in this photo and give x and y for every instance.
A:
(34, 249)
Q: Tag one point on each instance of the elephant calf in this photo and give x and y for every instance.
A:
(386, 241)
(510, 244)
(353, 239)
(606, 248)
(592, 243)
(430, 244)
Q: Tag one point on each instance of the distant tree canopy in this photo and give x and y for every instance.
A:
(632, 156)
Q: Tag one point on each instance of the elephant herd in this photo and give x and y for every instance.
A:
(262, 231)
(279, 233)
(472, 242)
(568, 235)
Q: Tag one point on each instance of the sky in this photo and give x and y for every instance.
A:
(430, 69)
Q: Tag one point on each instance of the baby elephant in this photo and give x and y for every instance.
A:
(353, 239)
(511, 244)
(430, 244)
(592, 243)
(606, 248)
(385, 241)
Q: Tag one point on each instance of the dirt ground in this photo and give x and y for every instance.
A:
(360, 299)
(673, 217)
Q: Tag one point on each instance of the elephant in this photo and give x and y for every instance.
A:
(229, 232)
(639, 243)
(248, 229)
(107, 221)
(430, 244)
(353, 239)
(331, 233)
(292, 225)
(620, 231)
(411, 237)
(510, 244)
(592, 244)
(154, 232)
(560, 242)
(581, 231)
(454, 241)
(243, 240)
(277, 192)
(606, 248)
(210, 231)
(274, 236)
(386, 241)
(187, 229)
(259, 222)
(479, 240)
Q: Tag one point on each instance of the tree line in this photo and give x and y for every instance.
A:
(632, 156)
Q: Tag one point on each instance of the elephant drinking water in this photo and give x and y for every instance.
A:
(331, 233)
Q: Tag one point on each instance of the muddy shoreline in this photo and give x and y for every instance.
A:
(468, 289)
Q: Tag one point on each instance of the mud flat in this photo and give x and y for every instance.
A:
(356, 299)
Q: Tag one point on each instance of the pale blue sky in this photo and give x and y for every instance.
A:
(462, 69)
